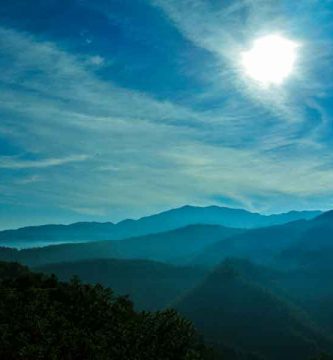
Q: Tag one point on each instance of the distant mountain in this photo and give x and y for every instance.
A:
(302, 254)
(326, 216)
(177, 246)
(260, 245)
(230, 309)
(151, 285)
(35, 236)
(165, 221)
(312, 248)
(278, 244)
(318, 235)
(310, 264)
(213, 215)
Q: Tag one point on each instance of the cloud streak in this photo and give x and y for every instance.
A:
(16, 163)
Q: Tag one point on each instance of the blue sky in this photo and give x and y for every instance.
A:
(120, 108)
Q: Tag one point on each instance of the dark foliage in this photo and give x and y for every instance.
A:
(42, 318)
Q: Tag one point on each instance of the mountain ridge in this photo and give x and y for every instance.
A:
(164, 221)
(152, 285)
(171, 246)
(268, 245)
(226, 307)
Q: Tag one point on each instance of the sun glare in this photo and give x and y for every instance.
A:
(271, 59)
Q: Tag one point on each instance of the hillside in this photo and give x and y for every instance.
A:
(301, 254)
(229, 309)
(165, 221)
(151, 285)
(308, 286)
(280, 245)
(177, 246)
(260, 245)
(318, 236)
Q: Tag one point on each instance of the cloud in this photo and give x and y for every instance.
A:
(87, 211)
(44, 69)
(96, 60)
(7, 162)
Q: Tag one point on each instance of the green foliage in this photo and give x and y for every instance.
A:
(42, 318)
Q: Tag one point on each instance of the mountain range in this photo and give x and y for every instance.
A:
(259, 289)
(204, 245)
(284, 244)
(176, 246)
(34, 236)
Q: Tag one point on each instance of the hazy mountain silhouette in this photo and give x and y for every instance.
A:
(265, 245)
(309, 287)
(318, 235)
(261, 245)
(176, 246)
(231, 309)
(151, 285)
(165, 221)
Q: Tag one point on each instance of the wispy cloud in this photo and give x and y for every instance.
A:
(57, 75)
(8, 162)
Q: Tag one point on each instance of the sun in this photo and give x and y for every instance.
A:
(271, 59)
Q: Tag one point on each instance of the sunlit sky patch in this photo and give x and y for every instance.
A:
(113, 109)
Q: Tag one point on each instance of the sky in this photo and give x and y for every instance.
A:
(112, 109)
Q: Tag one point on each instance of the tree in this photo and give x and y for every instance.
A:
(42, 318)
